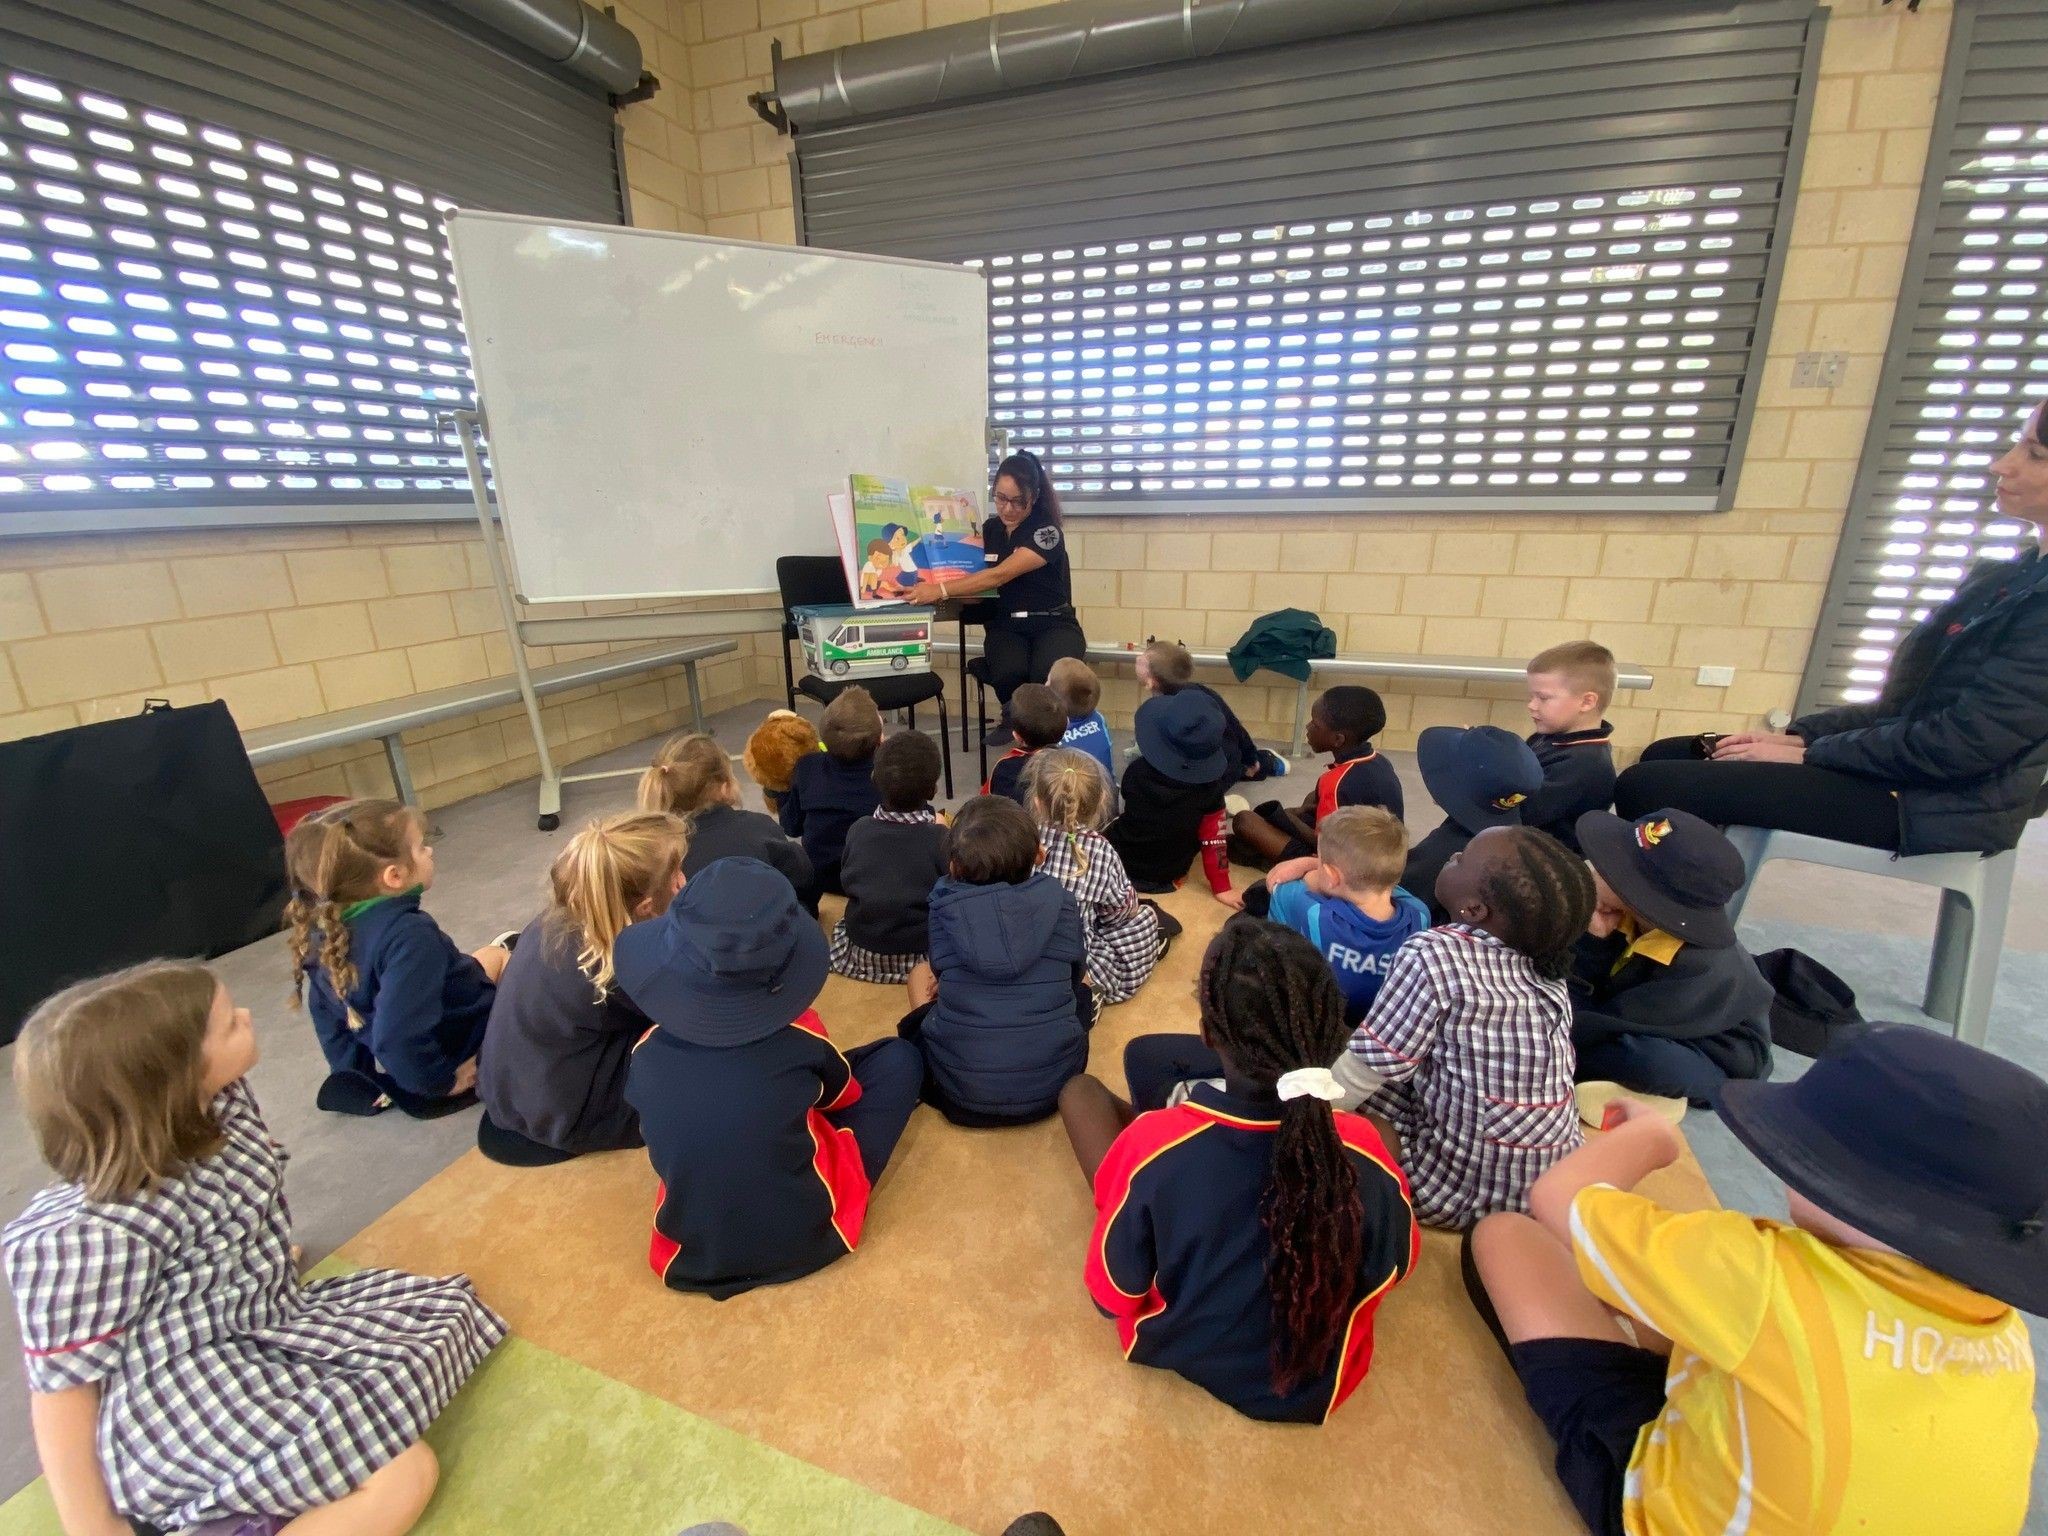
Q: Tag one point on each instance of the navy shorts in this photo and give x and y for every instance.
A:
(1594, 1396)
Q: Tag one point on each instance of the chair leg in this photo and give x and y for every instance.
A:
(981, 728)
(945, 744)
(788, 677)
(1754, 844)
(1968, 935)
(961, 633)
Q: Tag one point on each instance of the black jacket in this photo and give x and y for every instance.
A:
(727, 832)
(826, 797)
(1239, 750)
(554, 1061)
(1714, 999)
(889, 872)
(1159, 831)
(1578, 776)
(1960, 730)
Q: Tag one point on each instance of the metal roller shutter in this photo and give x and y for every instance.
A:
(1968, 356)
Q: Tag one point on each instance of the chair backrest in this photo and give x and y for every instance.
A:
(804, 580)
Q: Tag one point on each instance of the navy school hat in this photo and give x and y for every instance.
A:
(1479, 774)
(1181, 734)
(1925, 1143)
(733, 959)
(1672, 867)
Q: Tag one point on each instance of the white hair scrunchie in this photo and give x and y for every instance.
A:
(1310, 1083)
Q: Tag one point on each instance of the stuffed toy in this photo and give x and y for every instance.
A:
(772, 751)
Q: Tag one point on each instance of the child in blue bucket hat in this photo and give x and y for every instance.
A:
(766, 1138)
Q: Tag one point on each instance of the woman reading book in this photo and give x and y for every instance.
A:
(1031, 624)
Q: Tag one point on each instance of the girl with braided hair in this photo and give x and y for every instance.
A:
(1255, 1198)
(1067, 794)
(400, 1011)
(1467, 1050)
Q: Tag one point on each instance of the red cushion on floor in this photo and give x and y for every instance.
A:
(290, 813)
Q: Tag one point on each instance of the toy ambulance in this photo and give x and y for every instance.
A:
(840, 641)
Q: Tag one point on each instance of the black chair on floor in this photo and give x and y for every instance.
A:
(808, 580)
(975, 667)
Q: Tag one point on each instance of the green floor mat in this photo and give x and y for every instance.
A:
(538, 1445)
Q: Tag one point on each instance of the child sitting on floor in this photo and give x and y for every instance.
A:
(1036, 720)
(1570, 687)
(1124, 936)
(1173, 795)
(1078, 689)
(1467, 1050)
(893, 859)
(1246, 1237)
(399, 1010)
(552, 1076)
(1165, 668)
(1344, 899)
(1479, 776)
(180, 1373)
(691, 777)
(766, 1139)
(830, 790)
(1342, 723)
(1665, 1001)
(1865, 1368)
(1002, 1010)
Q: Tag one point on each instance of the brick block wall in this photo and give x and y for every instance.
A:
(1738, 589)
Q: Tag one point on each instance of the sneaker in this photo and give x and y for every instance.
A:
(1277, 767)
(350, 1093)
(1595, 1098)
(999, 736)
(1236, 805)
(507, 939)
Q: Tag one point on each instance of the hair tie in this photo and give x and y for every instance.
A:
(1310, 1083)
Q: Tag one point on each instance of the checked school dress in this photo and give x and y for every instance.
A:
(1121, 933)
(228, 1387)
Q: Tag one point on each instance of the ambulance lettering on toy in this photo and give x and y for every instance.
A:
(842, 643)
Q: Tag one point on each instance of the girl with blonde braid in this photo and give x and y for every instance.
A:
(553, 1072)
(1068, 797)
(400, 1011)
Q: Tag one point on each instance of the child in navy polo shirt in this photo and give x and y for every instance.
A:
(1342, 723)
(1570, 687)
(1345, 899)
(1245, 1237)
(766, 1139)
(830, 790)
(1079, 691)
(1037, 720)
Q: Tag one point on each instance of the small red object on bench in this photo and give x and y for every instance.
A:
(290, 813)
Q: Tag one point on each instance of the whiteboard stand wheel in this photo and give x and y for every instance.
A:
(549, 822)
(898, 663)
(839, 668)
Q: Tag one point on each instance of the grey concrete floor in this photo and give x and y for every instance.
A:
(491, 864)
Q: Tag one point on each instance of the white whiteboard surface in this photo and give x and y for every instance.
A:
(667, 413)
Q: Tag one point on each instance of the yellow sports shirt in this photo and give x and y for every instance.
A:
(1812, 1388)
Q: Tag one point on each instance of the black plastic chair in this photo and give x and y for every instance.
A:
(807, 580)
(976, 668)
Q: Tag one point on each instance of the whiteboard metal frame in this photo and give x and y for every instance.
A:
(602, 629)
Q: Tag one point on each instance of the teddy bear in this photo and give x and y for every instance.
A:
(772, 751)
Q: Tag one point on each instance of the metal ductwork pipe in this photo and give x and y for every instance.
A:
(568, 33)
(1056, 43)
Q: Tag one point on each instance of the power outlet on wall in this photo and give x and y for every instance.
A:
(1716, 677)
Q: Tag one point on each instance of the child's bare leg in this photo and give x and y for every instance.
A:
(1259, 834)
(492, 958)
(1533, 1281)
(1387, 1132)
(1094, 1117)
(922, 984)
(389, 1504)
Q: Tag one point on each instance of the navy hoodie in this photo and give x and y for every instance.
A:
(1006, 1032)
(423, 1003)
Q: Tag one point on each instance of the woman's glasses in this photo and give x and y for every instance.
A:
(1014, 503)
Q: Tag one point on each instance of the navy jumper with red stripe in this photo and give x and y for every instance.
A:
(1178, 1257)
(1363, 778)
(757, 1185)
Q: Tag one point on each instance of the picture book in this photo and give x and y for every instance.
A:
(899, 534)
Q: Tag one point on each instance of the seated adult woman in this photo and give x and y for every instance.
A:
(1031, 624)
(1951, 754)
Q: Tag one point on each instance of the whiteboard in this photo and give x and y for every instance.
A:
(667, 413)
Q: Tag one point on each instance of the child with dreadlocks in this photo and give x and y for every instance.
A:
(400, 1011)
(1068, 797)
(1253, 1228)
(1467, 1050)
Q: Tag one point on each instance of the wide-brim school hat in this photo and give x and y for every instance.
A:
(1923, 1142)
(1181, 734)
(1479, 774)
(1673, 868)
(734, 958)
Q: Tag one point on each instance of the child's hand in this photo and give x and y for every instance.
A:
(1233, 899)
(923, 984)
(465, 1078)
(1644, 1124)
(1604, 921)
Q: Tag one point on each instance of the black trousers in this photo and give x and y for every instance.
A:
(1022, 651)
(1787, 797)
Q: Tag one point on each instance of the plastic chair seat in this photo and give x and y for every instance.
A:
(1976, 892)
